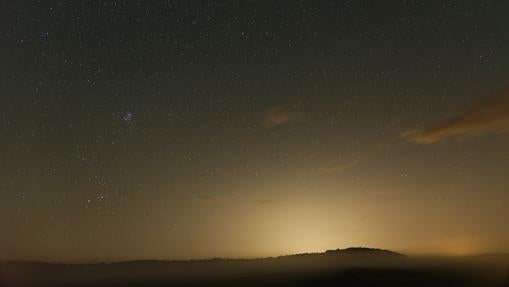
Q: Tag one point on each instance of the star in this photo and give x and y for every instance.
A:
(127, 117)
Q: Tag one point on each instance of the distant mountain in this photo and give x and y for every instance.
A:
(362, 251)
(350, 252)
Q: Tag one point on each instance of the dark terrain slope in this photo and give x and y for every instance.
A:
(342, 267)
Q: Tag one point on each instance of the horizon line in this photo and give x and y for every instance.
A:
(98, 262)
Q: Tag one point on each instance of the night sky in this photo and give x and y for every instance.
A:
(193, 129)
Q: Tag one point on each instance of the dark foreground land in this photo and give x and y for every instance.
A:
(350, 267)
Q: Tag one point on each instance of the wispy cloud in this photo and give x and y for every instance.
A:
(329, 169)
(279, 116)
(267, 201)
(334, 168)
(377, 193)
(488, 117)
(204, 197)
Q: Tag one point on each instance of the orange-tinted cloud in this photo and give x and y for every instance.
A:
(488, 117)
(278, 116)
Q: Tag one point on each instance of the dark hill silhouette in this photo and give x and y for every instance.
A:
(351, 251)
(362, 251)
(341, 267)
